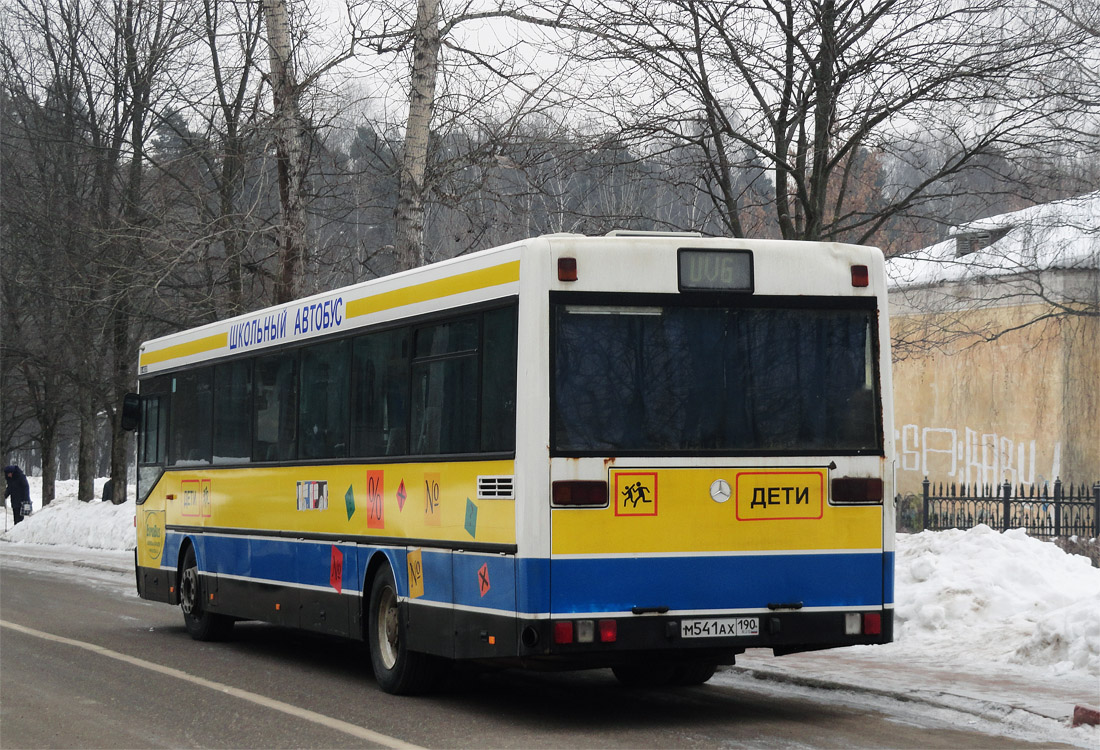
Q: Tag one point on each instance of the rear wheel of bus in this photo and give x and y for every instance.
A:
(201, 624)
(397, 669)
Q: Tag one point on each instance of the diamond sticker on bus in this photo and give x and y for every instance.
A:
(779, 495)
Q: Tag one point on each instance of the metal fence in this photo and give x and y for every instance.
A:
(1050, 510)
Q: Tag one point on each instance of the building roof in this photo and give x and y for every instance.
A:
(1060, 235)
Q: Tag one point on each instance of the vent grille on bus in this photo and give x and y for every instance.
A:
(496, 487)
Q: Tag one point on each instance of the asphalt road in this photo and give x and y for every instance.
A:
(85, 663)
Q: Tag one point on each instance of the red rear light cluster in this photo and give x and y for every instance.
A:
(866, 623)
(586, 631)
(857, 490)
(861, 276)
(567, 269)
(578, 493)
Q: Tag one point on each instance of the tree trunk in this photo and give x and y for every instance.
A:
(49, 463)
(120, 441)
(290, 151)
(85, 462)
(409, 232)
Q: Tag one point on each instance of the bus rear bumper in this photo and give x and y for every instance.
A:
(605, 642)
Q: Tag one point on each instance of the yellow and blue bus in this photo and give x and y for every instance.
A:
(647, 452)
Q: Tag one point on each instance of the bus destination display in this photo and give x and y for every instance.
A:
(717, 270)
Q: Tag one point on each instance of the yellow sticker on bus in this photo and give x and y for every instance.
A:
(780, 494)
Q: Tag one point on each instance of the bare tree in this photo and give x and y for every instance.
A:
(810, 90)
(107, 68)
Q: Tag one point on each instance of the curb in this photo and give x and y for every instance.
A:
(938, 699)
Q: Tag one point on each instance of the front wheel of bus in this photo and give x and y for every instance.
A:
(201, 624)
(398, 670)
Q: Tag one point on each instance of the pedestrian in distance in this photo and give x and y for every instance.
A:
(19, 492)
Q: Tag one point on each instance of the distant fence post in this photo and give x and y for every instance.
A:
(1006, 490)
(1096, 510)
(924, 514)
(1058, 506)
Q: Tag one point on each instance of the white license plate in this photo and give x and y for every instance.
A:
(720, 628)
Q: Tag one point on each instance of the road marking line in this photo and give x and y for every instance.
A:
(277, 705)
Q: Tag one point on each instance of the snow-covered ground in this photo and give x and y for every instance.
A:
(978, 601)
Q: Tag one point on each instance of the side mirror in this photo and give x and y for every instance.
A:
(131, 411)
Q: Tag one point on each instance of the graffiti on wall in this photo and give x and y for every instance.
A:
(970, 456)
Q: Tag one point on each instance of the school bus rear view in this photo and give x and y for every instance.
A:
(643, 452)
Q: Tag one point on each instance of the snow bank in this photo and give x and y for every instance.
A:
(68, 521)
(982, 595)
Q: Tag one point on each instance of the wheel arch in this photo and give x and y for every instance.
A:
(378, 559)
(188, 543)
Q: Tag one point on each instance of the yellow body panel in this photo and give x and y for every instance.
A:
(186, 349)
(504, 273)
(674, 510)
(429, 501)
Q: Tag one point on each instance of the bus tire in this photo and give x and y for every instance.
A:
(201, 624)
(644, 675)
(693, 673)
(397, 670)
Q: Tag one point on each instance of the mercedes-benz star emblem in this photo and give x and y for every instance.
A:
(719, 490)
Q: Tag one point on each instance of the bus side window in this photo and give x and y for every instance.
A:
(152, 443)
(323, 401)
(191, 415)
(380, 394)
(445, 388)
(498, 381)
(275, 416)
(232, 417)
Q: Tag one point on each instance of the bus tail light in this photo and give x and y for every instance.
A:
(567, 269)
(860, 276)
(857, 491)
(579, 493)
(586, 631)
(863, 623)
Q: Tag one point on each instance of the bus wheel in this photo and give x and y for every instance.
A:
(398, 670)
(693, 673)
(202, 625)
(644, 675)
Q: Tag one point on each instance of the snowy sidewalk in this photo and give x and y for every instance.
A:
(991, 693)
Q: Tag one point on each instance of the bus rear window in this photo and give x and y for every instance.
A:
(638, 380)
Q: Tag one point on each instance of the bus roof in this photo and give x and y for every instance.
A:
(495, 274)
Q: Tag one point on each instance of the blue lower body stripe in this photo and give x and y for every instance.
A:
(533, 586)
(711, 583)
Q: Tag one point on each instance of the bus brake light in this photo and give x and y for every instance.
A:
(563, 631)
(579, 493)
(609, 631)
(872, 623)
(567, 269)
(860, 276)
(860, 490)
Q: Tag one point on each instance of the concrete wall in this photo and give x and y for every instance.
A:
(1023, 407)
